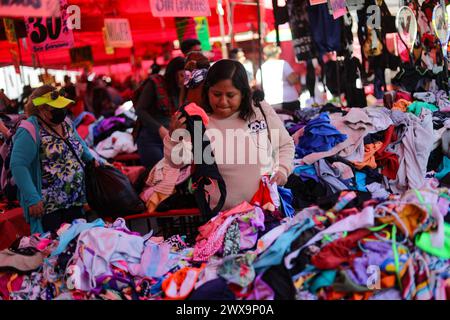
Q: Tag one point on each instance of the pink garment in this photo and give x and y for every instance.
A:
(212, 234)
(147, 193)
(193, 109)
(207, 229)
(413, 152)
(163, 177)
(206, 248)
(43, 244)
(403, 95)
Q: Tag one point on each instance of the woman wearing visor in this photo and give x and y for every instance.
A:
(48, 174)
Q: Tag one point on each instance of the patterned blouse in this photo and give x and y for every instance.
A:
(62, 174)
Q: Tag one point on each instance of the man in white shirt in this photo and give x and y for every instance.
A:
(278, 81)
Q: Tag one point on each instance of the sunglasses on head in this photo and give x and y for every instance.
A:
(55, 94)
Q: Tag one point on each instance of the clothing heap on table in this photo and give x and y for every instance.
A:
(349, 246)
(363, 216)
(108, 137)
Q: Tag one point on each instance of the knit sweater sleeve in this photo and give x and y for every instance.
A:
(282, 142)
(23, 154)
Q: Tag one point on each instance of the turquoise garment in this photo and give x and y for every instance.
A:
(26, 170)
(323, 279)
(306, 169)
(416, 107)
(360, 178)
(275, 253)
(75, 229)
(444, 168)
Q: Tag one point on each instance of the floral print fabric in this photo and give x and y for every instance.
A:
(62, 174)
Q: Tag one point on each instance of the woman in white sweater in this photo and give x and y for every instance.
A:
(238, 129)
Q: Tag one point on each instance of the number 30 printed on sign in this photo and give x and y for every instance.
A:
(50, 33)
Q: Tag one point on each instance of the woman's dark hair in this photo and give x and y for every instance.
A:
(101, 101)
(229, 70)
(174, 65)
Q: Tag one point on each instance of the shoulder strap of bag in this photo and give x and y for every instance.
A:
(27, 125)
(258, 104)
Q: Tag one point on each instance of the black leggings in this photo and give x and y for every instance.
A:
(52, 221)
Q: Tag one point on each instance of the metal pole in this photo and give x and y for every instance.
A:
(338, 64)
(258, 6)
(446, 48)
(220, 13)
(20, 61)
(277, 26)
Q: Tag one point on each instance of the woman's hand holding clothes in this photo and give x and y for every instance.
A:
(177, 122)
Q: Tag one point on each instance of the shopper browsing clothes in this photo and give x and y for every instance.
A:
(156, 104)
(277, 78)
(238, 129)
(49, 176)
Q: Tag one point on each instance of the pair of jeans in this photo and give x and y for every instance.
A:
(150, 147)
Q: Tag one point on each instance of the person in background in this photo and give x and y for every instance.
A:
(48, 173)
(156, 104)
(277, 79)
(227, 100)
(4, 101)
(155, 67)
(239, 55)
(26, 92)
(101, 102)
(195, 70)
(190, 45)
(69, 88)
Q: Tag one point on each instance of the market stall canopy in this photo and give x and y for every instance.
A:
(149, 33)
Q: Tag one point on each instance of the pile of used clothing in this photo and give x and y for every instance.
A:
(108, 137)
(349, 246)
(379, 150)
(363, 216)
